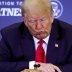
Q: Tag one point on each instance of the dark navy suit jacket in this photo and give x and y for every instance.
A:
(17, 47)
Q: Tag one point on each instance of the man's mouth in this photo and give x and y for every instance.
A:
(41, 32)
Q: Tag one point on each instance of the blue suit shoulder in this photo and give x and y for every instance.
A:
(12, 32)
(11, 27)
(63, 24)
(63, 29)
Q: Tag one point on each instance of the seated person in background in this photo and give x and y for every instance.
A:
(39, 39)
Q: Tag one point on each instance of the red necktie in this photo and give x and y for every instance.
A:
(40, 54)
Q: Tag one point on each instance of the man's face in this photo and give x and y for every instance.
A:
(38, 23)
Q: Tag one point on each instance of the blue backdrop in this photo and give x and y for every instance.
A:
(10, 11)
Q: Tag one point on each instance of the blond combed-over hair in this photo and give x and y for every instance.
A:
(36, 4)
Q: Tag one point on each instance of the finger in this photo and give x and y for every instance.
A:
(42, 69)
(57, 68)
(51, 68)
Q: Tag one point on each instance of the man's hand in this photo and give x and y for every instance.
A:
(48, 67)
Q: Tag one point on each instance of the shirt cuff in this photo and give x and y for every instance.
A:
(31, 64)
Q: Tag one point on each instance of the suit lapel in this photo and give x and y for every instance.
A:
(53, 45)
(28, 49)
(52, 50)
(28, 45)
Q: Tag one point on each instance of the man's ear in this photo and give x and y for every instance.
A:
(52, 18)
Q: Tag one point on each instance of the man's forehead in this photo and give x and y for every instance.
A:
(34, 16)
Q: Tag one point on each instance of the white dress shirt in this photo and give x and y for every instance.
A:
(46, 40)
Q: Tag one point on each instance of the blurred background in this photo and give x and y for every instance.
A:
(10, 11)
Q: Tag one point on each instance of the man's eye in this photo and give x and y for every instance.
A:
(42, 19)
(31, 21)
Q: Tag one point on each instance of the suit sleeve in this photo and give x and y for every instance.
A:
(67, 67)
(6, 65)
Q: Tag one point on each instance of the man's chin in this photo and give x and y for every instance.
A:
(40, 37)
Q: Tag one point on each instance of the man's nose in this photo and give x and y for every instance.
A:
(38, 25)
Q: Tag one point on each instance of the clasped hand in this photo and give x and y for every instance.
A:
(48, 67)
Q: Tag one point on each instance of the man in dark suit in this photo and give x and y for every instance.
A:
(19, 43)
